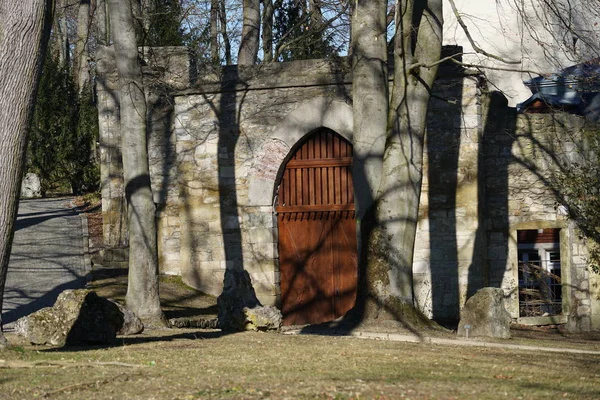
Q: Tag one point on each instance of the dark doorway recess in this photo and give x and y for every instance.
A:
(317, 231)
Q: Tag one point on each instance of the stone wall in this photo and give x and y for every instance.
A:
(232, 138)
(523, 154)
(449, 262)
(217, 149)
(166, 69)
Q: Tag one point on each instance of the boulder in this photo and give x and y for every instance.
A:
(262, 318)
(485, 315)
(77, 317)
(31, 187)
(240, 310)
(132, 325)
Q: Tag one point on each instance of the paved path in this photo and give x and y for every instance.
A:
(48, 256)
(395, 337)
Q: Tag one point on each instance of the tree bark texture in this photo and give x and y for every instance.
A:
(61, 46)
(81, 47)
(267, 30)
(24, 33)
(417, 48)
(214, 32)
(248, 51)
(370, 93)
(388, 140)
(101, 21)
(316, 16)
(142, 290)
(224, 33)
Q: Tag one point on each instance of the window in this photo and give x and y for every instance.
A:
(540, 290)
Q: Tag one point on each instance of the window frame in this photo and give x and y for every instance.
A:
(510, 282)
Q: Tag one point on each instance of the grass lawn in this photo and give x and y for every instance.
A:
(203, 364)
(196, 364)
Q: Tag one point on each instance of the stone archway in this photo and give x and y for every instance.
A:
(309, 116)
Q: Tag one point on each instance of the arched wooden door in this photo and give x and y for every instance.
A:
(317, 231)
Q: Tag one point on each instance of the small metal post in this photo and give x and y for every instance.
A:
(467, 327)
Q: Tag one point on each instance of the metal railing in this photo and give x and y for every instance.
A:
(540, 289)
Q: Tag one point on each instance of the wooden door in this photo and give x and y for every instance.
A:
(317, 231)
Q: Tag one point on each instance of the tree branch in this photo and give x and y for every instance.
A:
(452, 58)
(470, 38)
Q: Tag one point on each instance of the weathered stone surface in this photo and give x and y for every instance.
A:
(31, 186)
(132, 325)
(486, 315)
(77, 317)
(113, 257)
(194, 322)
(240, 310)
(262, 318)
(238, 294)
(217, 146)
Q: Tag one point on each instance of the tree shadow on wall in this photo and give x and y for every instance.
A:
(439, 201)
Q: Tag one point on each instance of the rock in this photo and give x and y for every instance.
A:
(77, 317)
(240, 310)
(115, 257)
(194, 322)
(262, 318)
(31, 187)
(485, 315)
(132, 324)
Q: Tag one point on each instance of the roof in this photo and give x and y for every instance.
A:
(575, 89)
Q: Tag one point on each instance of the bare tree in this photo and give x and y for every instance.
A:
(82, 70)
(224, 32)
(371, 98)
(101, 21)
(388, 229)
(267, 30)
(248, 51)
(515, 40)
(142, 289)
(24, 32)
(214, 31)
(60, 31)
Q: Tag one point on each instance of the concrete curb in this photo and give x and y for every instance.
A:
(395, 337)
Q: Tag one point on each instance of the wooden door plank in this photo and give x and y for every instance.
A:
(316, 218)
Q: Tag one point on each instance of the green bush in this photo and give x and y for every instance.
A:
(63, 134)
(579, 187)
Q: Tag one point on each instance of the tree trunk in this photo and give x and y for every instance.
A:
(62, 38)
(101, 22)
(388, 224)
(370, 108)
(391, 243)
(223, 32)
(267, 30)
(214, 32)
(316, 16)
(24, 32)
(248, 51)
(81, 47)
(370, 93)
(142, 290)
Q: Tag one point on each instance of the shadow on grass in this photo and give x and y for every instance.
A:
(141, 339)
(187, 312)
